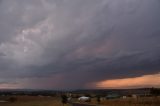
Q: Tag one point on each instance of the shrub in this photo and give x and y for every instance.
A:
(12, 99)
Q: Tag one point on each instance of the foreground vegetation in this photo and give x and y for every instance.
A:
(56, 101)
(33, 101)
(144, 101)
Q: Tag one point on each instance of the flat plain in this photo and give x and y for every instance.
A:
(56, 101)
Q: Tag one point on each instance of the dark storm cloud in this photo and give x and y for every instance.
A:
(72, 43)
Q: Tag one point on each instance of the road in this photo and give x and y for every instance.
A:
(78, 104)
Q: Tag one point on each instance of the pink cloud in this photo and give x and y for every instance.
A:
(143, 81)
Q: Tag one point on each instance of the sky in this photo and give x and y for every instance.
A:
(79, 44)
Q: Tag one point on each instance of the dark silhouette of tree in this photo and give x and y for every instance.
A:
(98, 99)
(87, 95)
(155, 91)
(64, 99)
(12, 99)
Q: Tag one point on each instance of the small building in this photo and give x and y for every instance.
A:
(134, 96)
(102, 98)
(124, 97)
(84, 99)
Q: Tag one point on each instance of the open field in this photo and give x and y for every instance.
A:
(145, 101)
(56, 101)
(33, 101)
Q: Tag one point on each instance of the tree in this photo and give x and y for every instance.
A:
(12, 99)
(64, 99)
(98, 99)
(155, 91)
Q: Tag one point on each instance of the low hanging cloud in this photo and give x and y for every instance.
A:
(72, 43)
(143, 81)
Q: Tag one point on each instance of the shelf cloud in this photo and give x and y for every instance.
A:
(69, 44)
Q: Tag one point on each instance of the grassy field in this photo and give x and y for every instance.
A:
(56, 101)
(34, 101)
(145, 101)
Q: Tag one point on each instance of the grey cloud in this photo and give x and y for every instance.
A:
(86, 41)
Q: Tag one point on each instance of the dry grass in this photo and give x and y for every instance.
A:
(147, 101)
(56, 101)
(34, 101)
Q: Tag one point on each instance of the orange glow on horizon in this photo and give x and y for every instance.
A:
(143, 81)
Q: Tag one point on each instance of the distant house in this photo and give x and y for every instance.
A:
(113, 96)
(102, 98)
(134, 96)
(124, 97)
(84, 99)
